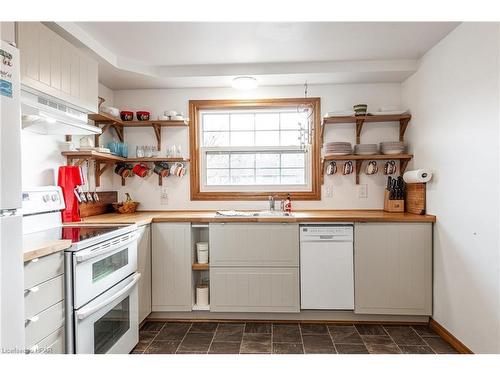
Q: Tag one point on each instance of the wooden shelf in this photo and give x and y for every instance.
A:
(104, 160)
(165, 123)
(106, 121)
(359, 159)
(200, 267)
(403, 120)
(369, 157)
(103, 118)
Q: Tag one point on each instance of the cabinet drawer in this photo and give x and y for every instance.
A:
(254, 289)
(254, 245)
(47, 321)
(39, 270)
(42, 296)
(52, 344)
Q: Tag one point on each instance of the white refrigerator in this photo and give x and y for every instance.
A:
(11, 251)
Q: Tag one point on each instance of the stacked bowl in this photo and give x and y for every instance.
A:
(366, 149)
(338, 148)
(392, 148)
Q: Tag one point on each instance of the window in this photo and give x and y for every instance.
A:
(250, 149)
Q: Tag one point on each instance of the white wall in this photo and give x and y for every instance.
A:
(332, 97)
(454, 99)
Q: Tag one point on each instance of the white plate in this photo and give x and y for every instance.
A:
(392, 152)
(399, 112)
(366, 153)
(338, 153)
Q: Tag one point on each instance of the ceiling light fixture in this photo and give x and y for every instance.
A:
(244, 83)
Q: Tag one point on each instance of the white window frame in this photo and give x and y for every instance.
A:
(260, 188)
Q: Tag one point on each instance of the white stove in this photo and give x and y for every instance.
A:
(100, 275)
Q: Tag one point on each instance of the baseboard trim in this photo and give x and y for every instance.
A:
(449, 338)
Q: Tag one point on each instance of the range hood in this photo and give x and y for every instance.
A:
(44, 114)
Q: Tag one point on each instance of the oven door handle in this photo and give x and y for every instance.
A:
(83, 256)
(86, 312)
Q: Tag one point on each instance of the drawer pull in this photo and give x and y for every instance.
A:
(34, 289)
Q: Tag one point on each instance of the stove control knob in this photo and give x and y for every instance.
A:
(46, 198)
(54, 197)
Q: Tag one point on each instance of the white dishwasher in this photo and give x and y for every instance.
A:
(327, 267)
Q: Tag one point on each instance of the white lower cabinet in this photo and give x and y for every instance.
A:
(171, 267)
(254, 267)
(393, 268)
(254, 289)
(144, 268)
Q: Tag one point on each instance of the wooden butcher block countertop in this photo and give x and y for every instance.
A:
(36, 249)
(146, 217)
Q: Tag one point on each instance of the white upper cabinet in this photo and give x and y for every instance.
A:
(54, 66)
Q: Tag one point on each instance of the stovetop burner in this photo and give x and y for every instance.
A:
(80, 233)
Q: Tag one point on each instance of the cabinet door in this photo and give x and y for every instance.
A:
(393, 268)
(243, 289)
(171, 267)
(144, 268)
(254, 245)
(53, 66)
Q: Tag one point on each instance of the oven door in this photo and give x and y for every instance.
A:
(110, 323)
(99, 267)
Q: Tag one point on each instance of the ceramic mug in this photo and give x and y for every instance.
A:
(141, 170)
(371, 167)
(123, 170)
(332, 168)
(348, 168)
(390, 167)
(178, 169)
(162, 169)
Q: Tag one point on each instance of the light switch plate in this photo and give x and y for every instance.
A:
(363, 191)
(329, 191)
(164, 196)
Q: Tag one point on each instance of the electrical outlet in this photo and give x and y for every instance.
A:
(164, 196)
(329, 191)
(363, 191)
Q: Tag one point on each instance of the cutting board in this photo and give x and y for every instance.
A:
(415, 198)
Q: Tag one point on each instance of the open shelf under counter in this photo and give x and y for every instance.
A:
(200, 267)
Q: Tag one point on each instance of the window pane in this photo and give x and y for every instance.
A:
(292, 160)
(267, 121)
(242, 160)
(242, 177)
(242, 139)
(242, 122)
(217, 161)
(212, 139)
(213, 122)
(268, 177)
(267, 160)
(292, 176)
(218, 176)
(290, 138)
(263, 138)
(291, 120)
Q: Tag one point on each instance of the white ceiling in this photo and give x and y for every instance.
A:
(191, 54)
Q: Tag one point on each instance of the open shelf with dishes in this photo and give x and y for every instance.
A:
(200, 267)
(359, 159)
(106, 121)
(104, 160)
(403, 120)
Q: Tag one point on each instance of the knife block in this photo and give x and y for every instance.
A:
(393, 205)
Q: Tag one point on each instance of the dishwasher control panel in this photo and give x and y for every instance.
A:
(326, 233)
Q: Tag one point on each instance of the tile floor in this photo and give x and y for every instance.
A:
(290, 338)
